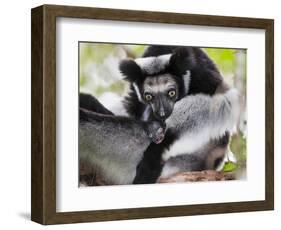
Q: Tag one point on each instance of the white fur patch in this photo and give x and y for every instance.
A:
(153, 65)
(229, 156)
(188, 143)
(146, 114)
(137, 92)
(169, 170)
(186, 81)
(114, 103)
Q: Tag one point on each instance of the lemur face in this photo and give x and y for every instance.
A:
(161, 93)
(159, 81)
(155, 131)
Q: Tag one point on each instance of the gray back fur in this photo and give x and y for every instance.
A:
(113, 148)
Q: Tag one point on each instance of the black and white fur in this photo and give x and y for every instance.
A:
(189, 67)
(191, 72)
(207, 157)
(202, 125)
(114, 145)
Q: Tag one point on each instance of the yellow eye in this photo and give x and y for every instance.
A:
(172, 93)
(148, 97)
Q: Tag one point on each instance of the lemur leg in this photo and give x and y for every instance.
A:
(150, 166)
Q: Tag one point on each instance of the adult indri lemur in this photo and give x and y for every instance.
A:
(114, 145)
(166, 76)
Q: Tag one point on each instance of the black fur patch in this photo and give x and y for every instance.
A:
(131, 70)
(83, 116)
(183, 59)
(224, 140)
(88, 102)
(132, 104)
(218, 161)
(205, 77)
(150, 167)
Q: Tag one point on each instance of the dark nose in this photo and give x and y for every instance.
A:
(163, 109)
(163, 115)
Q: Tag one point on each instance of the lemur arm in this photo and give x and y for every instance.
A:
(194, 113)
(201, 118)
(153, 129)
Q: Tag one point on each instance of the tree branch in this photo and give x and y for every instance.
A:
(207, 175)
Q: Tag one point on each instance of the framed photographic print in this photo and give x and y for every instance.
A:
(140, 114)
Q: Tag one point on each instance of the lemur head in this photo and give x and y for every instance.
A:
(159, 81)
(155, 131)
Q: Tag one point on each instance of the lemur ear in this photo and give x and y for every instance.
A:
(131, 71)
(182, 60)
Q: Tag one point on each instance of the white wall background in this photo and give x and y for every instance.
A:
(15, 113)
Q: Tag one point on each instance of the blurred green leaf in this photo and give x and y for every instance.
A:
(224, 59)
(229, 166)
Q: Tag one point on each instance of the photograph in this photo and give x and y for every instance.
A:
(146, 114)
(152, 113)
